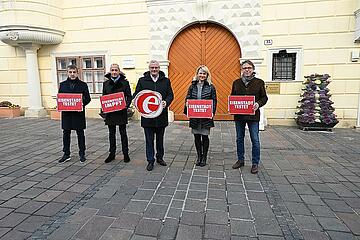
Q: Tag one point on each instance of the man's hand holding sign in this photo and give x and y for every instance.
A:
(242, 105)
(69, 102)
(113, 102)
(149, 103)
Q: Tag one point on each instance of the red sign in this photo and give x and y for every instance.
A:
(113, 102)
(241, 104)
(199, 108)
(148, 103)
(69, 102)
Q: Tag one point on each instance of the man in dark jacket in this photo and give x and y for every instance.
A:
(74, 120)
(248, 84)
(116, 82)
(155, 80)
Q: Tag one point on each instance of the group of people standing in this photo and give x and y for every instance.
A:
(201, 87)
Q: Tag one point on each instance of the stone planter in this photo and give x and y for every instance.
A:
(316, 126)
(7, 112)
(55, 115)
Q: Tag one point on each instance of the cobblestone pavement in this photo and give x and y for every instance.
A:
(308, 186)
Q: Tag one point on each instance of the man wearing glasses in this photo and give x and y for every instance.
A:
(155, 80)
(116, 82)
(249, 85)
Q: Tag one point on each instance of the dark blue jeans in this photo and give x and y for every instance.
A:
(150, 133)
(81, 141)
(255, 140)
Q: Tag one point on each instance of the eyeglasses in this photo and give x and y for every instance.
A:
(154, 67)
(247, 68)
(114, 70)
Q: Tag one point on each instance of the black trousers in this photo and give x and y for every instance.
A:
(150, 133)
(112, 138)
(81, 141)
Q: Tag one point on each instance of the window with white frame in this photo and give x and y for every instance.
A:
(284, 64)
(91, 70)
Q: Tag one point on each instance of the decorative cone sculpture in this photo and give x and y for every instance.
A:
(315, 109)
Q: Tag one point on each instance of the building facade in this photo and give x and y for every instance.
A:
(286, 41)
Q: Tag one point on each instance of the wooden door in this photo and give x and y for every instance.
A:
(213, 46)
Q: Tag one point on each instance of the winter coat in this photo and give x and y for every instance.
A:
(256, 87)
(109, 87)
(208, 92)
(74, 120)
(163, 86)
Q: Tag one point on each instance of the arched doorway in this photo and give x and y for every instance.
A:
(209, 44)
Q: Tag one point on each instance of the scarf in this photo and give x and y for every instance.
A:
(115, 79)
(246, 80)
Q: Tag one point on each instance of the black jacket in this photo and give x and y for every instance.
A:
(256, 87)
(109, 87)
(208, 92)
(74, 120)
(163, 86)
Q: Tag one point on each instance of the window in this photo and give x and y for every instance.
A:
(91, 70)
(283, 66)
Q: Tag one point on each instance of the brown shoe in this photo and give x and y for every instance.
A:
(254, 169)
(238, 164)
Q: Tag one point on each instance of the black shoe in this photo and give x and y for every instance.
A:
(161, 162)
(82, 158)
(203, 161)
(238, 164)
(64, 158)
(110, 158)
(254, 169)
(150, 166)
(198, 160)
(126, 157)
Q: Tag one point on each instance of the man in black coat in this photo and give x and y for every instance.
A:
(155, 80)
(116, 82)
(74, 120)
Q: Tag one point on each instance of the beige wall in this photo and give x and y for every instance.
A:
(324, 30)
(113, 28)
(45, 14)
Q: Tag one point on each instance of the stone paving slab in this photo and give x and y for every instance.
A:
(308, 186)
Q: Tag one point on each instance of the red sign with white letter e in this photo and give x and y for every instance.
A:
(199, 108)
(241, 104)
(69, 102)
(113, 102)
(148, 103)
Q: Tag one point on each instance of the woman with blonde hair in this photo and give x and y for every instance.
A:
(201, 87)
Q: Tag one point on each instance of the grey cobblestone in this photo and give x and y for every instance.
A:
(192, 218)
(217, 217)
(148, 227)
(299, 186)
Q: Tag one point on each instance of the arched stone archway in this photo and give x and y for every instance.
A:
(209, 44)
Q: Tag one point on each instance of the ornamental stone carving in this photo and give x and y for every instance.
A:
(241, 17)
(15, 35)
